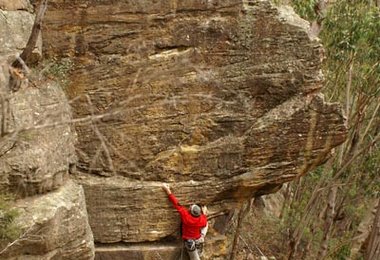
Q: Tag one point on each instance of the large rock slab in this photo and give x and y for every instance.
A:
(16, 24)
(36, 153)
(220, 98)
(15, 28)
(38, 144)
(14, 5)
(54, 226)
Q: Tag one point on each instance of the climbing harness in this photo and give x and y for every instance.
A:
(192, 245)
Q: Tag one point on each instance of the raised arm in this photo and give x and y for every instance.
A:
(172, 198)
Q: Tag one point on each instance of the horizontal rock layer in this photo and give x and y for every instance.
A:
(219, 98)
(214, 249)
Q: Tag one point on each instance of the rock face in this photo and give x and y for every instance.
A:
(219, 98)
(36, 152)
(15, 27)
(14, 5)
(54, 226)
(214, 249)
(39, 144)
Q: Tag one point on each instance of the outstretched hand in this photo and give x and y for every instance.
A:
(205, 210)
(166, 188)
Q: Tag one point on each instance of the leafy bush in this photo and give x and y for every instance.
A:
(8, 229)
(305, 8)
(58, 69)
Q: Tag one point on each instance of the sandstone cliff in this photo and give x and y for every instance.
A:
(36, 151)
(219, 98)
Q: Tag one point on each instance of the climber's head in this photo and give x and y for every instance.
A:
(195, 210)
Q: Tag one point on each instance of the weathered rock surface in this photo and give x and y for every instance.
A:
(36, 152)
(38, 146)
(15, 28)
(54, 225)
(37, 143)
(16, 23)
(219, 98)
(13, 5)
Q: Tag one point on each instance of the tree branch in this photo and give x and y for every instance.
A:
(32, 42)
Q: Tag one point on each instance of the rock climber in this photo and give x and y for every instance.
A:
(194, 225)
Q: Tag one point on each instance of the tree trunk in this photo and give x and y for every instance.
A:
(286, 200)
(329, 219)
(320, 9)
(244, 210)
(32, 42)
(373, 248)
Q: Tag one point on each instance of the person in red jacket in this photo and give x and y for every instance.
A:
(194, 225)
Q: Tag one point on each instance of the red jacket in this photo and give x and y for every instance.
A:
(191, 226)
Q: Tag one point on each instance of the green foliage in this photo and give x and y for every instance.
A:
(305, 8)
(8, 229)
(294, 214)
(371, 180)
(343, 252)
(265, 233)
(58, 69)
(341, 246)
(351, 35)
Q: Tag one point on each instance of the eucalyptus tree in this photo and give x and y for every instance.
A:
(327, 206)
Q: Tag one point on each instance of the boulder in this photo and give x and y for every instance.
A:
(219, 98)
(38, 144)
(36, 154)
(15, 29)
(54, 226)
(13, 5)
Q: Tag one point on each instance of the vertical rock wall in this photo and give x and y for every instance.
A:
(36, 151)
(54, 226)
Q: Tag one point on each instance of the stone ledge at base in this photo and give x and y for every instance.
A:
(215, 248)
